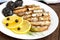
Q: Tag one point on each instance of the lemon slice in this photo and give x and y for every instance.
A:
(8, 19)
(12, 21)
(16, 22)
(23, 28)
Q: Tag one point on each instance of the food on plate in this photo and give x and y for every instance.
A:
(18, 3)
(41, 23)
(7, 11)
(23, 28)
(19, 11)
(22, 19)
(12, 21)
(39, 28)
(10, 5)
(17, 24)
(37, 16)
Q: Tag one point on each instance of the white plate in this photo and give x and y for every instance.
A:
(52, 27)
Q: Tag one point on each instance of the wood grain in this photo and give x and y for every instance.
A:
(54, 36)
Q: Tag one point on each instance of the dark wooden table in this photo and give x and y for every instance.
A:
(54, 36)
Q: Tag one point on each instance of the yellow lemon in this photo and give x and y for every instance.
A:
(16, 22)
(23, 28)
(8, 19)
(12, 21)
